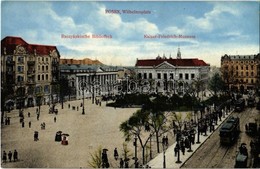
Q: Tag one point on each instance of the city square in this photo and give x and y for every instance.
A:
(98, 127)
(149, 84)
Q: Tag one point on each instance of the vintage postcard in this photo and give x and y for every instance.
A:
(130, 84)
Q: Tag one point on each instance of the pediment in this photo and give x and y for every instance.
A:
(100, 70)
(165, 65)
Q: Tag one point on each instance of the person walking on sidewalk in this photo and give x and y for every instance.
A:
(4, 157)
(15, 155)
(10, 156)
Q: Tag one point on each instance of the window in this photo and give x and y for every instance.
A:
(180, 76)
(171, 75)
(246, 74)
(242, 67)
(252, 73)
(186, 76)
(158, 75)
(246, 67)
(252, 67)
(150, 75)
(165, 76)
(42, 68)
(46, 89)
(252, 81)
(20, 59)
(47, 59)
(42, 59)
(47, 68)
(145, 76)
(39, 68)
(47, 77)
(192, 76)
(42, 77)
(20, 78)
(20, 69)
(39, 77)
(241, 73)
(39, 59)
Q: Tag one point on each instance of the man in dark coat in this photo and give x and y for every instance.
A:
(4, 157)
(10, 156)
(15, 155)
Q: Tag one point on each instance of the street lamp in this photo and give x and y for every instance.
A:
(198, 141)
(164, 162)
(135, 144)
(83, 110)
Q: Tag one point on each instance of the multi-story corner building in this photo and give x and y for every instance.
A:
(172, 74)
(30, 72)
(241, 72)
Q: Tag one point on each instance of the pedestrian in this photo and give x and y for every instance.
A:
(38, 117)
(176, 149)
(183, 149)
(166, 141)
(69, 105)
(29, 114)
(126, 164)
(15, 155)
(54, 119)
(121, 163)
(163, 140)
(115, 154)
(10, 156)
(30, 124)
(4, 157)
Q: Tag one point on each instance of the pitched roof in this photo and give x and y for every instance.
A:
(174, 62)
(10, 43)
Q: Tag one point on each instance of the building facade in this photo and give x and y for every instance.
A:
(29, 72)
(93, 80)
(241, 72)
(171, 75)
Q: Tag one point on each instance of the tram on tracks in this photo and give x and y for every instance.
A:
(240, 105)
(230, 130)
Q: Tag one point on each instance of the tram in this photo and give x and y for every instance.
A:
(251, 101)
(240, 105)
(229, 131)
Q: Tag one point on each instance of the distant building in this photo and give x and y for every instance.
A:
(172, 75)
(97, 79)
(85, 61)
(241, 72)
(29, 72)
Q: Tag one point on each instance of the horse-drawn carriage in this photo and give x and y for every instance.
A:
(53, 110)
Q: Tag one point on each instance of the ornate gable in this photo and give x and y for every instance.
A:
(165, 65)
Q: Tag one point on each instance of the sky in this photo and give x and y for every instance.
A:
(211, 29)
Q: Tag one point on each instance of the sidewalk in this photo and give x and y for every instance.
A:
(170, 159)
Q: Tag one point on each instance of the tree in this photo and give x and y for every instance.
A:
(96, 159)
(159, 124)
(135, 127)
(216, 84)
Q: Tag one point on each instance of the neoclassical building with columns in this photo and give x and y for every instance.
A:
(172, 75)
(94, 80)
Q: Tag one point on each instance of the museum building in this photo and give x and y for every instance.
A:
(172, 75)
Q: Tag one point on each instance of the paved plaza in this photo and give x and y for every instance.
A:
(98, 127)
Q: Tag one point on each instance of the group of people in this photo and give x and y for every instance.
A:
(165, 141)
(10, 156)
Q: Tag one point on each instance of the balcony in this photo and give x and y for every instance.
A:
(30, 72)
(10, 62)
(31, 62)
(31, 82)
